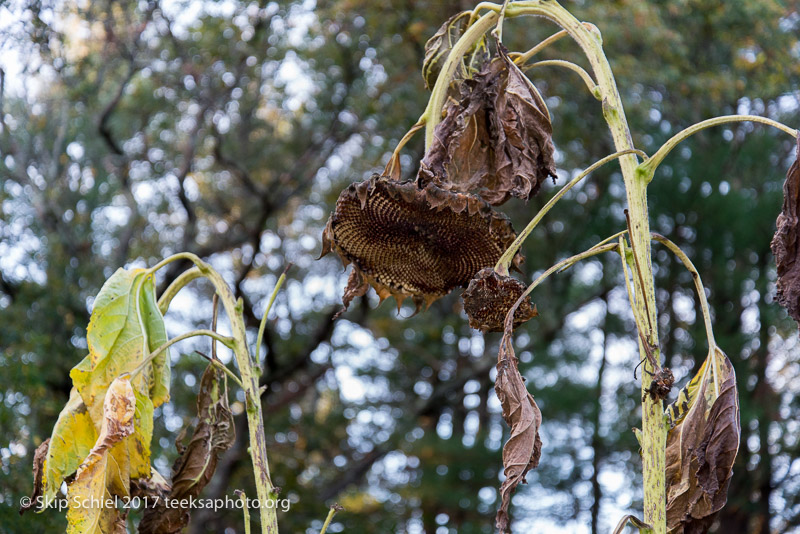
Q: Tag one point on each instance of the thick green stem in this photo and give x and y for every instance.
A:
(654, 431)
(250, 375)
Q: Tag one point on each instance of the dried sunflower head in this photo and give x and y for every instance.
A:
(496, 140)
(410, 242)
(488, 298)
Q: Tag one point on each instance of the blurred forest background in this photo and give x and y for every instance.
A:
(133, 130)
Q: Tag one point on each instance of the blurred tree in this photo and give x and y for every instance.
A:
(134, 130)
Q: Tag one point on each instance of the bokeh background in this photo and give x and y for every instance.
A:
(133, 130)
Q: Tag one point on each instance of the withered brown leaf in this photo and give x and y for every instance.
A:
(786, 242)
(490, 296)
(496, 140)
(523, 449)
(191, 472)
(406, 241)
(438, 48)
(38, 476)
(702, 446)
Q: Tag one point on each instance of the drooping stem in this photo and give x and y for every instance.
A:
(585, 76)
(648, 168)
(520, 59)
(558, 267)
(249, 381)
(505, 260)
(227, 341)
(698, 284)
(433, 112)
(179, 283)
(654, 430)
(263, 324)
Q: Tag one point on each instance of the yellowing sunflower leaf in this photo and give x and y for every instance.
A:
(91, 495)
(73, 436)
(125, 327)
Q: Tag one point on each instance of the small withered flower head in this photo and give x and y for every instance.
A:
(496, 140)
(406, 241)
(490, 296)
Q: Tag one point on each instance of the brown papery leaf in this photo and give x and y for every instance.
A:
(490, 296)
(438, 48)
(191, 472)
(410, 242)
(496, 140)
(38, 476)
(523, 449)
(786, 243)
(702, 446)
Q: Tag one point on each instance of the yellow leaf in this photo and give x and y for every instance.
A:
(72, 439)
(102, 477)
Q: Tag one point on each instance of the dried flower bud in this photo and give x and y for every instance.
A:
(410, 242)
(490, 296)
(496, 141)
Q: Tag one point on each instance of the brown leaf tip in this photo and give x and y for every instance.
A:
(490, 296)
(406, 241)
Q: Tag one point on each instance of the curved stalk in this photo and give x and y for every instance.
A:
(520, 59)
(263, 324)
(227, 341)
(250, 375)
(648, 168)
(179, 283)
(433, 112)
(654, 433)
(558, 267)
(505, 260)
(585, 76)
(698, 284)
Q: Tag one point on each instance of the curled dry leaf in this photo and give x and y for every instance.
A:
(192, 471)
(38, 476)
(702, 446)
(439, 46)
(786, 243)
(490, 296)
(410, 242)
(523, 449)
(496, 140)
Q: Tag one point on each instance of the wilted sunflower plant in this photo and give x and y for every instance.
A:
(488, 137)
